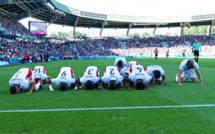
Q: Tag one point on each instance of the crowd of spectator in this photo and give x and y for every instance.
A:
(103, 47)
(13, 26)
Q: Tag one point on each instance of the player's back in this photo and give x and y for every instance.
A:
(23, 73)
(137, 70)
(131, 63)
(39, 70)
(153, 67)
(120, 58)
(111, 71)
(91, 70)
(66, 72)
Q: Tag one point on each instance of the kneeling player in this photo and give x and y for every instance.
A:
(140, 77)
(91, 77)
(111, 77)
(23, 79)
(40, 74)
(125, 72)
(156, 72)
(186, 67)
(64, 79)
(120, 62)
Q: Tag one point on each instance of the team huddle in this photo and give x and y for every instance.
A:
(132, 73)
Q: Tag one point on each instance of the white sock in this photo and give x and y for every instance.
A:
(76, 88)
(50, 87)
(37, 86)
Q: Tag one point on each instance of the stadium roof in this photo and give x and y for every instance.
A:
(57, 13)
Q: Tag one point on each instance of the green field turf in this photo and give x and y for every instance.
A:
(181, 120)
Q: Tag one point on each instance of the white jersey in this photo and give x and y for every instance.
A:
(127, 67)
(21, 78)
(40, 72)
(137, 72)
(118, 59)
(111, 73)
(66, 75)
(91, 73)
(183, 66)
(150, 69)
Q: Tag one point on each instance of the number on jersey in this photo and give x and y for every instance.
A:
(111, 71)
(18, 74)
(37, 71)
(64, 73)
(140, 69)
(129, 65)
(90, 71)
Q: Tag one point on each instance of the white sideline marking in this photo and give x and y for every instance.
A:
(106, 108)
(207, 68)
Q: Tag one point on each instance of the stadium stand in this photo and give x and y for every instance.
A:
(112, 47)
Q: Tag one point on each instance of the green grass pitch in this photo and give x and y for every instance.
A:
(181, 120)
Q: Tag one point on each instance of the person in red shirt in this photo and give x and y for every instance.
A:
(28, 57)
(25, 58)
(167, 53)
(6, 57)
(156, 53)
(184, 56)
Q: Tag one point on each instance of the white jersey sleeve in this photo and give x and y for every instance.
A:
(196, 65)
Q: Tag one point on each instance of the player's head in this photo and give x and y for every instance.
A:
(119, 64)
(63, 87)
(112, 85)
(89, 85)
(140, 85)
(157, 74)
(13, 90)
(190, 64)
(36, 80)
(126, 75)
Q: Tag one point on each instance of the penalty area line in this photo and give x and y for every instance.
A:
(108, 108)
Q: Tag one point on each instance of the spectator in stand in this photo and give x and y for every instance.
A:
(184, 55)
(156, 53)
(167, 53)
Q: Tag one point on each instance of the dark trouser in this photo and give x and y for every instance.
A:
(156, 56)
(196, 55)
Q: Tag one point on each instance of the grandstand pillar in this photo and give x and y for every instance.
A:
(182, 27)
(75, 24)
(103, 25)
(181, 33)
(129, 27)
(210, 27)
(155, 30)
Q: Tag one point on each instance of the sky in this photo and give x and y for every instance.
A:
(132, 8)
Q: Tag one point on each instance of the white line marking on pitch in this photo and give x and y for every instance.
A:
(107, 108)
(207, 68)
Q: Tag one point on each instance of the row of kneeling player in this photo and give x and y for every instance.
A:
(130, 74)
